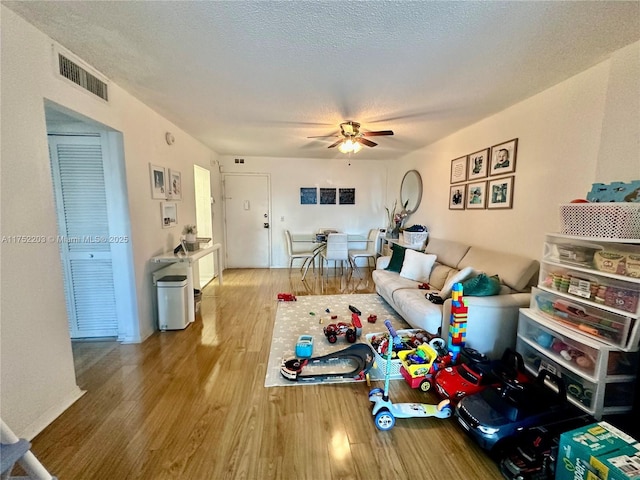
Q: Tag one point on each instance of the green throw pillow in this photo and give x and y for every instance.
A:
(481, 286)
(397, 257)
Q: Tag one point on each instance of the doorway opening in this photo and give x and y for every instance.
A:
(94, 233)
(204, 221)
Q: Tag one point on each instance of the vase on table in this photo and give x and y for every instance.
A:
(393, 231)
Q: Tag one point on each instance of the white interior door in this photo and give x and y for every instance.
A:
(247, 220)
(84, 240)
(202, 180)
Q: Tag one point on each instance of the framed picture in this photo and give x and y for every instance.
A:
(327, 196)
(503, 157)
(478, 164)
(347, 196)
(308, 195)
(175, 185)
(158, 182)
(169, 214)
(500, 193)
(476, 195)
(456, 197)
(459, 170)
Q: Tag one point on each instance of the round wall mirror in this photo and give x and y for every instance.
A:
(411, 190)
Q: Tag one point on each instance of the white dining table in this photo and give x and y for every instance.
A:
(312, 238)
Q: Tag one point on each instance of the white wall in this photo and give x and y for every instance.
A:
(582, 131)
(369, 178)
(36, 363)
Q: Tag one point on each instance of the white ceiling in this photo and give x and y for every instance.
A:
(255, 78)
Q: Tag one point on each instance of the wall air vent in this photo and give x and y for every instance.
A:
(81, 77)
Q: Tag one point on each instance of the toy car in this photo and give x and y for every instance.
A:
(287, 297)
(494, 415)
(421, 364)
(351, 331)
(533, 453)
(469, 378)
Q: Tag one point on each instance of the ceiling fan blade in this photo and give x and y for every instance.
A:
(335, 144)
(366, 142)
(377, 134)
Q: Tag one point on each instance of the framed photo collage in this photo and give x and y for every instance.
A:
(482, 180)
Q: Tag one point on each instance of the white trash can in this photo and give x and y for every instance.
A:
(173, 304)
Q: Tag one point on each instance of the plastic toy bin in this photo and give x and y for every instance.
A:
(381, 361)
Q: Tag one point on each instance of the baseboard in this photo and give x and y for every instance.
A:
(50, 415)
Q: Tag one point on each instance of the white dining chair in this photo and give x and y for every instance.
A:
(306, 256)
(370, 253)
(337, 249)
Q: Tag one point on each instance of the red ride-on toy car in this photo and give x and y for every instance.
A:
(351, 330)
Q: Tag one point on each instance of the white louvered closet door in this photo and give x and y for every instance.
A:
(83, 225)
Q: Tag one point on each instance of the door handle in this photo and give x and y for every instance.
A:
(266, 224)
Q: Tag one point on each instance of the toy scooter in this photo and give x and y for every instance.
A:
(386, 412)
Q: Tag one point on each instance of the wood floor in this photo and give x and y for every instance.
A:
(192, 405)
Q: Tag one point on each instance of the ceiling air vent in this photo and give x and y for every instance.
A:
(81, 77)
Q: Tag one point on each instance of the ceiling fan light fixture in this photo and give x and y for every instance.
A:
(349, 146)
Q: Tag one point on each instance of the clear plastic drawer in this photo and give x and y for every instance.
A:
(607, 257)
(582, 391)
(589, 359)
(620, 295)
(600, 324)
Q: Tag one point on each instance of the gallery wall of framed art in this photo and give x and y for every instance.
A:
(327, 196)
(484, 179)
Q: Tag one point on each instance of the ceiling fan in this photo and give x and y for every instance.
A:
(352, 138)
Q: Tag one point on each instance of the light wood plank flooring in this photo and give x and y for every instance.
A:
(192, 405)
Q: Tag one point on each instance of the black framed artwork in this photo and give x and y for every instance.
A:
(327, 196)
(347, 196)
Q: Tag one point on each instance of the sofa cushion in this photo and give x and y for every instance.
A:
(417, 310)
(389, 282)
(439, 275)
(456, 277)
(448, 252)
(417, 266)
(397, 257)
(515, 271)
(481, 286)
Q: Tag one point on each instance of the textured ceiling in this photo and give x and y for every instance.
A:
(256, 78)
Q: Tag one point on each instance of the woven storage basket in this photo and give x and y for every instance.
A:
(606, 220)
(415, 238)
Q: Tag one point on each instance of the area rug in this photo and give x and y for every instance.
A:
(308, 315)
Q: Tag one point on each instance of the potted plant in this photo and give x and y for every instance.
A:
(189, 232)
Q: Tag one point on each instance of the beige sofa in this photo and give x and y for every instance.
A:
(492, 320)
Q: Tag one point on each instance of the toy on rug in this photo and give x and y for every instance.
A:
(385, 412)
(304, 346)
(352, 363)
(287, 297)
(350, 330)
